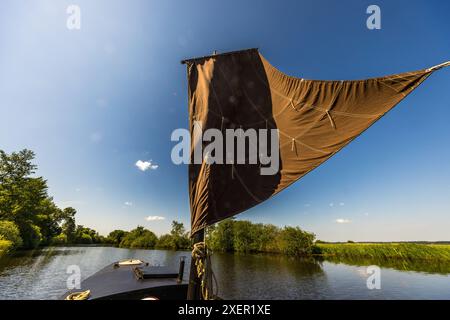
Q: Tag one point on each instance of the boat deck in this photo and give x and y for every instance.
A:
(114, 282)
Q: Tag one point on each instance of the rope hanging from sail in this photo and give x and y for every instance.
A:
(202, 257)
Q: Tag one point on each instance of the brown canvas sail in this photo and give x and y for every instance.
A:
(315, 119)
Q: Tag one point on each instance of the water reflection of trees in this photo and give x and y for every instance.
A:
(263, 276)
(303, 267)
(428, 266)
(37, 257)
(262, 263)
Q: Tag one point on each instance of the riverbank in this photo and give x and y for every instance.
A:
(404, 251)
(378, 251)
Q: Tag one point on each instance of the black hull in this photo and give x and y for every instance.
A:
(121, 283)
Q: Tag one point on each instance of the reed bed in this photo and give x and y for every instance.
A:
(405, 251)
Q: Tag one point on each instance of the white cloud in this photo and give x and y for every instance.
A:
(331, 204)
(342, 220)
(366, 214)
(128, 203)
(145, 165)
(341, 204)
(154, 218)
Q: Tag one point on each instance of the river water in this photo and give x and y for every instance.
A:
(42, 274)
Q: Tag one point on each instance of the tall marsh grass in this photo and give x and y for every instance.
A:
(405, 251)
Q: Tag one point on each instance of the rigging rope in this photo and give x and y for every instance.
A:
(331, 119)
(439, 66)
(83, 295)
(202, 257)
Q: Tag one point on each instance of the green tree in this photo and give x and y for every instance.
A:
(269, 238)
(115, 237)
(147, 240)
(84, 235)
(24, 199)
(296, 242)
(166, 241)
(14, 172)
(84, 238)
(177, 239)
(60, 239)
(31, 235)
(179, 235)
(221, 237)
(139, 238)
(243, 236)
(49, 219)
(69, 226)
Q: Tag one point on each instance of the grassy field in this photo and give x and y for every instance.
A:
(5, 246)
(405, 251)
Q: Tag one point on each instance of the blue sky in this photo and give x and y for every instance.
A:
(92, 102)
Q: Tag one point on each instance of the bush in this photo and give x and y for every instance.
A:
(85, 239)
(115, 237)
(166, 241)
(10, 232)
(243, 240)
(139, 238)
(182, 243)
(60, 239)
(316, 249)
(221, 236)
(148, 240)
(244, 236)
(5, 246)
(296, 242)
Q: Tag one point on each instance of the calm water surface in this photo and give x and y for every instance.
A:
(42, 275)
